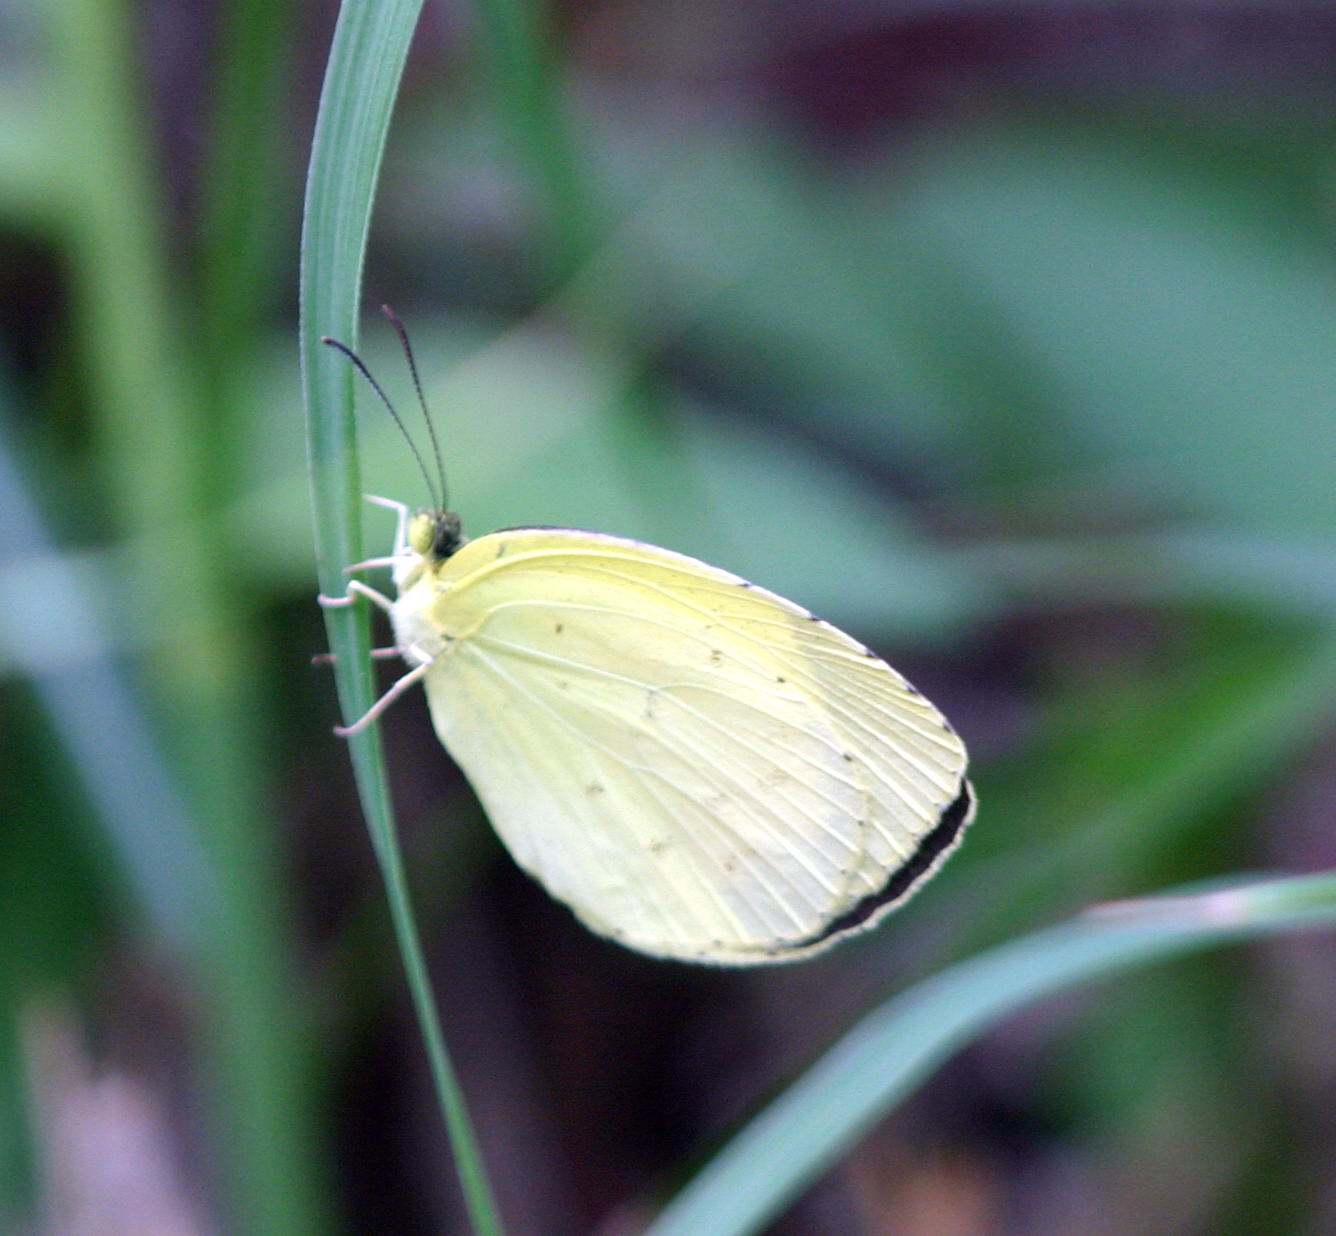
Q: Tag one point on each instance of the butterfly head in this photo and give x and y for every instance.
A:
(434, 534)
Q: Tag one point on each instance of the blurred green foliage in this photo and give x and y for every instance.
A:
(1034, 395)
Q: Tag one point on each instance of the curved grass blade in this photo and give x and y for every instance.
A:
(784, 1149)
(365, 65)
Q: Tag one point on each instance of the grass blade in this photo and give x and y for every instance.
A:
(159, 477)
(361, 80)
(886, 1055)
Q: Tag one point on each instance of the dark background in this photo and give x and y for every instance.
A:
(1002, 336)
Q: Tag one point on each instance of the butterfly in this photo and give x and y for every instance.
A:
(699, 768)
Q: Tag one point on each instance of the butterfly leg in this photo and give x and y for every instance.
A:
(403, 684)
(377, 654)
(400, 540)
(368, 563)
(356, 588)
(401, 509)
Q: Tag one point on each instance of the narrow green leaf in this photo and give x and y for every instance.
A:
(370, 44)
(159, 478)
(887, 1054)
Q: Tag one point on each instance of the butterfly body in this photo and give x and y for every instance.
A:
(699, 768)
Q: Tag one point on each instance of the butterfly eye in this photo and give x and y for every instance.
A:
(422, 533)
(434, 534)
(445, 533)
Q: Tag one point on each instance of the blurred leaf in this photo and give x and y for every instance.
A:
(126, 308)
(888, 1053)
(1140, 771)
(802, 525)
(16, 1157)
(1062, 297)
(523, 425)
(766, 271)
(51, 625)
(246, 199)
(1279, 577)
(1184, 333)
(29, 169)
(1169, 1089)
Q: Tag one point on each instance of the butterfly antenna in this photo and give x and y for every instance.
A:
(417, 386)
(398, 420)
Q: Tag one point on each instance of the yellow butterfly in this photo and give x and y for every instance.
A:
(698, 768)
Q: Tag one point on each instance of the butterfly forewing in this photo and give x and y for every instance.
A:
(913, 761)
(697, 767)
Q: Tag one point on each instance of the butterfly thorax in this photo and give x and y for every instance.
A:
(431, 539)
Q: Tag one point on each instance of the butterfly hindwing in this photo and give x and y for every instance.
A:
(696, 766)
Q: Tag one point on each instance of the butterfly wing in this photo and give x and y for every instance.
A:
(696, 766)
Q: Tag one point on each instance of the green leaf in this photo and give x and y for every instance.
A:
(366, 62)
(1182, 329)
(886, 1055)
